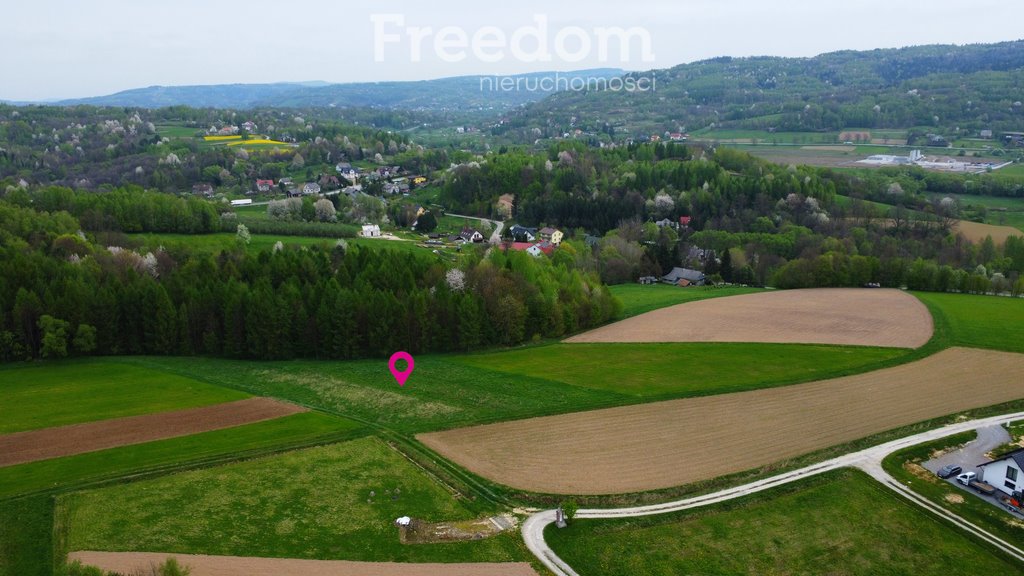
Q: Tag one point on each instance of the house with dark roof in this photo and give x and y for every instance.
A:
(1005, 472)
(684, 277)
(471, 235)
(522, 233)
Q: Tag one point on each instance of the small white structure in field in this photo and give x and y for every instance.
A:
(246, 202)
(403, 521)
(371, 231)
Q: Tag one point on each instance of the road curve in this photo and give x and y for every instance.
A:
(869, 460)
(498, 226)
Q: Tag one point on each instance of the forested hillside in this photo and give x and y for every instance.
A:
(947, 88)
(63, 291)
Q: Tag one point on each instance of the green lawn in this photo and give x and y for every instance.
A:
(45, 395)
(843, 524)
(298, 429)
(637, 299)
(684, 369)
(977, 321)
(972, 509)
(311, 503)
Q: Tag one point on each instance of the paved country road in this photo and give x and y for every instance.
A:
(868, 460)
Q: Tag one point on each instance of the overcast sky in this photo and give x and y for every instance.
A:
(73, 48)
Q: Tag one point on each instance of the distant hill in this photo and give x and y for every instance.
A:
(458, 93)
(970, 87)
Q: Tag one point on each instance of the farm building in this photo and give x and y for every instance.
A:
(684, 277)
(264, 185)
(371, 231)
(1006, 472)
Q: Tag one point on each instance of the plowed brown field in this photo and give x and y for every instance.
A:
(851, 316)
(128, 562)
(664, 444)
(60, 441)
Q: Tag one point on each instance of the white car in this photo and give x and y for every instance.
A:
(966, 478)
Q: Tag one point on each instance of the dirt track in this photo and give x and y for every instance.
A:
(664, 444)
(852, 316)
(125, 562)
(33, 445)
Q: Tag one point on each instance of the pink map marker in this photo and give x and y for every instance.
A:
(401, 375)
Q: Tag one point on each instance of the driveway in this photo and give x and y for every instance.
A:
(970, 456)
(974, 453)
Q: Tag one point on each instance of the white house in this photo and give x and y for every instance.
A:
(1005, 472)
(371, 231)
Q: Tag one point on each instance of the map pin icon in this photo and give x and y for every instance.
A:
(401, 375)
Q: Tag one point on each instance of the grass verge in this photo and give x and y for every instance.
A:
(840, 523)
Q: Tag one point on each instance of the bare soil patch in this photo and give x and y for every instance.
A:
(853, 135)
(126, 562)
(33, 445)
(849, 316)
(830, 148)
(976, 232)
(665, 444)
(421, 532)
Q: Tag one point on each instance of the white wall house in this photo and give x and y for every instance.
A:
(1006, 472)
(371, 231)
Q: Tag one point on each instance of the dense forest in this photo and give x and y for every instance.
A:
(64, 293)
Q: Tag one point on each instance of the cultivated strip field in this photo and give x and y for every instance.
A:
(129, 562)
(665, 444)
(849, 316)
(976, 232)
(22, 447)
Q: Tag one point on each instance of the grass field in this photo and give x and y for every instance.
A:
(1002, 211)
(841, 524)
(26, 537)
(441, 393)
(637, 299)
(990, 322)
(49, 394)
(311, 503)
(901, 465)
(168, 454)
(683, 369)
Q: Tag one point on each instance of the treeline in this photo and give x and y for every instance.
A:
(61, 294)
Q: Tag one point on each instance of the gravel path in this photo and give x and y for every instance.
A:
(126, 562)
(868, 460)
(847, 316)
(33, 445)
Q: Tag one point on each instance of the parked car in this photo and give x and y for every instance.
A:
(966, 478)
(949, 470)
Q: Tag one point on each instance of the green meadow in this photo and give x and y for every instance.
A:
(46, 395)
(314, 503)
(844, 523)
